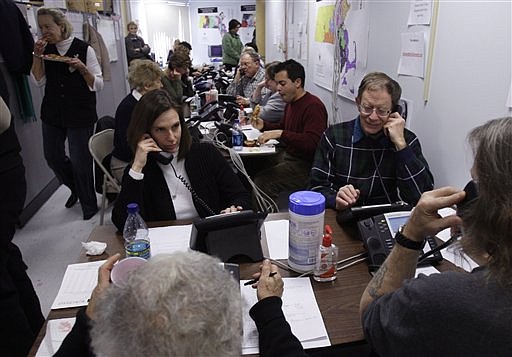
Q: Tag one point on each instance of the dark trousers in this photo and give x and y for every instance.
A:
(74, 171)
(289, 174)
(20, 311)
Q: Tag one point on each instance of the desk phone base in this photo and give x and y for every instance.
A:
(379, 240)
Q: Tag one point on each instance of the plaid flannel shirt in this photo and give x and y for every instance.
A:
(345, 155)
(246, 86)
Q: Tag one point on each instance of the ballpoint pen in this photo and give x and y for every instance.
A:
(254, 281)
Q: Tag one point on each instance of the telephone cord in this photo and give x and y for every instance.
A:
(264, 202)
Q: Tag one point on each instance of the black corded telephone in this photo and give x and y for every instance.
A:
(229, 235)
(226, 129)
(378, 234)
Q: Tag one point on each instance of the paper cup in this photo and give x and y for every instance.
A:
(121, 271)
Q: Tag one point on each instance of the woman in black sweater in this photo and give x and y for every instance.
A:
(172, 177)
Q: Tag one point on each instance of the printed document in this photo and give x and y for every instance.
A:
(300, 309)
(77, 285)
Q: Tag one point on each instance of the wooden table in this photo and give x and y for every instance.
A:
(338, 300)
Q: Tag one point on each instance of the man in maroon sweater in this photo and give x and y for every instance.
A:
(300, 129)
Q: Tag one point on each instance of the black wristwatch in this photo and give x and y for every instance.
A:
(407, 243)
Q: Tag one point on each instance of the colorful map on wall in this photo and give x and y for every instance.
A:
(350, 20)
(325, 30)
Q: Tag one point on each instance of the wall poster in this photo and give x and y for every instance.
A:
(350, 19)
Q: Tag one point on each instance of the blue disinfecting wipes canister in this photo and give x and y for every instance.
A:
(306, 225)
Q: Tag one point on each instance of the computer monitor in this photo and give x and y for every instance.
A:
(215, 51)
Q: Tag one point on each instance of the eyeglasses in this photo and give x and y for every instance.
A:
(381, 113)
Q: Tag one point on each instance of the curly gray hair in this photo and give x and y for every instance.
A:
(184, 304)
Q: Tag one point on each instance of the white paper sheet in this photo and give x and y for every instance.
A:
(452, 253)
(427, 270)
(168, 240)
(277, 238)
(420, 12)
(455, 256)
(412, 55)
(56, 331)
(300, 309)
(77, 285)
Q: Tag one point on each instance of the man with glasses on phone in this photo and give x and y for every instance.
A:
(247, 78)
(372, 159)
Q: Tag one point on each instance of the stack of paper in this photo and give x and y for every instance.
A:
(168, 240)
(300, 309)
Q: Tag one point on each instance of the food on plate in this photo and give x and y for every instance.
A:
(250, 143)
(56, 57)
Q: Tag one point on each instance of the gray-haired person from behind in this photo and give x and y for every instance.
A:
(164, 310)
(184, 304)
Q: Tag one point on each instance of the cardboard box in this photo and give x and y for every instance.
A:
(93, 5)
(76, 5)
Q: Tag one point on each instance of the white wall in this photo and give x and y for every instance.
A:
(471, 73)
(231, 10)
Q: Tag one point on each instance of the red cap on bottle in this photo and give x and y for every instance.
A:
(326, 242)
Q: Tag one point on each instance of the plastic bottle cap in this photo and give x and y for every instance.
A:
(132, 208)
(326, 242)
(308, 203)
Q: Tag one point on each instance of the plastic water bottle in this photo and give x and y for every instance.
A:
(237, 137)
(135, 234)
(306, 225)
(197, 101)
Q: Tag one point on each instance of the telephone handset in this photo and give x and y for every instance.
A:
(471, 190)
(158, 156)
(378, 234)
(397, 109)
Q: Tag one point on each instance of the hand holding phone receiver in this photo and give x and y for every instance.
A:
(471, 190)
(158, 156)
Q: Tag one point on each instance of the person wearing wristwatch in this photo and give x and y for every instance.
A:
(71, 75)
(453, 313)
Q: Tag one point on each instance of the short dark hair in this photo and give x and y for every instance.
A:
(186, 45)
(233, 23)
(294, 70)
(252, 45)
(379, 80)
(148, 109)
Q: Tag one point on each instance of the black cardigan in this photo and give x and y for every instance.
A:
(210, 177)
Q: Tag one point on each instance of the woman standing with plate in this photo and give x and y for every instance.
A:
(68, 110)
